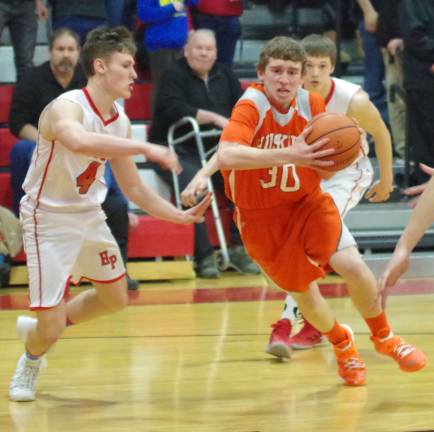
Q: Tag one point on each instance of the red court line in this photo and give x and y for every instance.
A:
(220, 295)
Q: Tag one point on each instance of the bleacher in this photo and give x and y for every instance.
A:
(157, 249)
(153, 240)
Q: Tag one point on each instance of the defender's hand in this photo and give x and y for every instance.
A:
(396, 267)
(196, 213)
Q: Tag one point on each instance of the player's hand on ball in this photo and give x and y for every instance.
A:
(310, 155)
(342, 134)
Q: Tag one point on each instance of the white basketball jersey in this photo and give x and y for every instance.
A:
(338, 101)
(60, 180)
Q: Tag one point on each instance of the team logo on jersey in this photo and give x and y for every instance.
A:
(274, 141)
(107, 259)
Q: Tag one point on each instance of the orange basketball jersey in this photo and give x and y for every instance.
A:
(256, 123)
(281, 212)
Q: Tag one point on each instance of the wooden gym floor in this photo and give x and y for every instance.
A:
(188, 356)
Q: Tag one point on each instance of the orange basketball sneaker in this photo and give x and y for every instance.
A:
(351, 367)
(408, 357)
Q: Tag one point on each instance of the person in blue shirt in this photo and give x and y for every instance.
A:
(166, 30)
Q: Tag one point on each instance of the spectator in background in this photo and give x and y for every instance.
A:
(115, 12)
(129, 16)
(21, 16)
(33, 92)
(223, 18)
(78, 15)
(10, 243)
(121, 13)
(198, 87)
(392, 44)
(39, 86)
(166, 31)
(416, 19)
(373, 59)
(383, 21)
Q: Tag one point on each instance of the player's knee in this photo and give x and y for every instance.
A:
(353, 268)
(349, 264)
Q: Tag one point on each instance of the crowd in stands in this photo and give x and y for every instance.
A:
(192, 76)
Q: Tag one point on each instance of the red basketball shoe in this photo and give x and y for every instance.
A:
(279, 345)
(308, 337)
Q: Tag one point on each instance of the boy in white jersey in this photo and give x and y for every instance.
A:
(347, 188)
(65, 234)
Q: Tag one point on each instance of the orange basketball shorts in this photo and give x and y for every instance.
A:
(294, 242)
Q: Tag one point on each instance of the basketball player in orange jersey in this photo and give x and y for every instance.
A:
(347, 188)
(65, 235)
(288, 225)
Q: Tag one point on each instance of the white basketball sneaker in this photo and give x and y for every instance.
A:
(22, 386)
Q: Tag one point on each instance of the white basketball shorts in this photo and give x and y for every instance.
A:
(67, 247)
(347, 188)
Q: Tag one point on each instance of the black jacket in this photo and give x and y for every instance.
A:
(34, 91)
(388, 21)
(417, 25)
(183, 93)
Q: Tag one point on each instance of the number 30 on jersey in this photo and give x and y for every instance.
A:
(289, 180)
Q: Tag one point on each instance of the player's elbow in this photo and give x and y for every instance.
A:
(224, 158)
(78, 142)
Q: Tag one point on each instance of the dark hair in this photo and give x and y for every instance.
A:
(283, 48)
(61, 31)
(317, 45)
(104, 41)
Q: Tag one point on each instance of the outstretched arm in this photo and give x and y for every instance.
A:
(232, 155)
(421, 218)
(416, 191)
(62, 121)
(135, 190)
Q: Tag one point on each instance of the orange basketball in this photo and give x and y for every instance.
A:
(344, 135)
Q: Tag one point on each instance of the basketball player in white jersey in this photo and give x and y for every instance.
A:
(347, 188)
(65, 234)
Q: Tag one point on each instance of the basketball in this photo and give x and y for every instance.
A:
(344, 135)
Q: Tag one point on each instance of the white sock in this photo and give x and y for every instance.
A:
(289, 310)
(32, 358)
